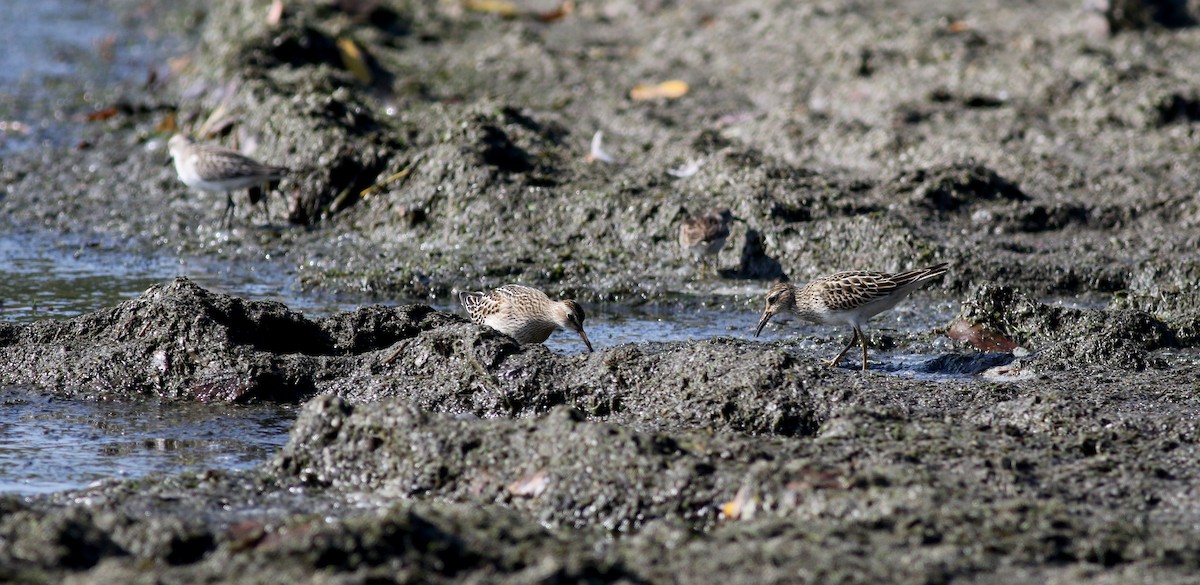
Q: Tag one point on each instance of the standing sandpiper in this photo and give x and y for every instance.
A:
(850, 297)
(526, 314)
(219, 170)
(704, 235)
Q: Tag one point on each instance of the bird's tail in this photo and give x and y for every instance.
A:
(920, 275)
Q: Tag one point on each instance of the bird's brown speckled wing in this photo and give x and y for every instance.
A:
(848, 290)
(519, 295)
(845, 291)
(714, 228)
(215, 163)
(708, 227)
(479, 304)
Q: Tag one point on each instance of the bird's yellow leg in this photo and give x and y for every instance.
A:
(864, 344)
(834, 362)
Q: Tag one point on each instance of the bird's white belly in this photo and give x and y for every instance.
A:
(189, 176)
(524, 330)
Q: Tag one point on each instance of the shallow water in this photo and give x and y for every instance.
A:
(53, 49)
(52, 279)
(49, 444)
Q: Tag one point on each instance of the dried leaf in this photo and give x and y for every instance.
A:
(354, 60)
(564, 10)
(743, 506)
(980, 337)
(1010, 373)
(214, 127)
(101, 115)
(597, 152)
(499, 7)
(167, 124)
(671, 89)
(275, 14)
(530, 486)
(958, 26)
(218, 116)
(692, 167)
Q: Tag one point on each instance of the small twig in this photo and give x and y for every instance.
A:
(395, 354)
(377, 187)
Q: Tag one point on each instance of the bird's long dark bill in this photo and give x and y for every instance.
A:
(762, 323)
(583, 336)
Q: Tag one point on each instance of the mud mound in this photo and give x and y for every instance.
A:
(181, 341)
(1065, 337)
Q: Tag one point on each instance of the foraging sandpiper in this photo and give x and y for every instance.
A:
(524, 313)
(850, 297)
(220, 170)
(704, 235)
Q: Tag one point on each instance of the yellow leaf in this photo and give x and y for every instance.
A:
(167, 124)
(354, 60)
(501, 7)
(668, 89)
(743, 505)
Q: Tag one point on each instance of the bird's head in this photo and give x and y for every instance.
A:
(781, 297)
(572, 317)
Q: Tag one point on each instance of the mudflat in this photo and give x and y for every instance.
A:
(1047, 151)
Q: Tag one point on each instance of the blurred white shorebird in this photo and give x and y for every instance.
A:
(220, 170)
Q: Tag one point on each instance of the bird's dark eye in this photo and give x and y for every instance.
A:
(771, 299)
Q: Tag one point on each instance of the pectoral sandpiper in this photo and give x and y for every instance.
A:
(850, 297)
(220, 170)
(526, 314)
(705, 234)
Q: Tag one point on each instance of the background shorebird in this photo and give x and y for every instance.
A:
(705, 234)
(850, 297)
(526, 314)
(220, 170)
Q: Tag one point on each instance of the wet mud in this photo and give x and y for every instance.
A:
(1046, 151)
(438, 450)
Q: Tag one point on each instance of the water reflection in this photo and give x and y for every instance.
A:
(49, 444)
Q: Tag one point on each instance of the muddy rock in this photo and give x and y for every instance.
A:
(1170, 291)
(181, 341)
(1016, 481)
(417, 544)
(1065, 337)
(561, 470)
(911, 489)
(1132, 15)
